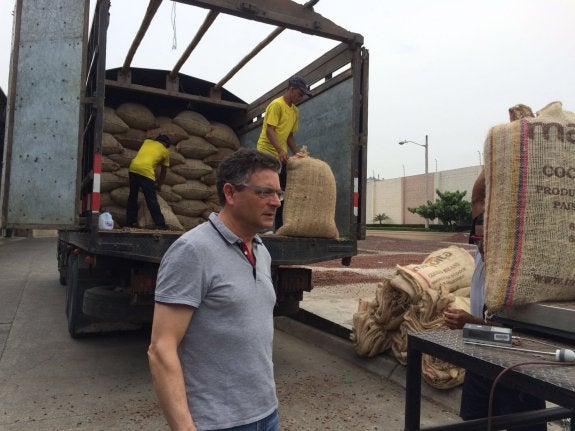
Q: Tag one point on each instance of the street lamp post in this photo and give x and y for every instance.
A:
(426, 146)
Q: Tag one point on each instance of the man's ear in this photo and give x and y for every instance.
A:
(229, 191)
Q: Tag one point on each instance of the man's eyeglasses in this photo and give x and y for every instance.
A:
(263, 192)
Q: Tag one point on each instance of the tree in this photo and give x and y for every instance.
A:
(380, 217)
(450, 209)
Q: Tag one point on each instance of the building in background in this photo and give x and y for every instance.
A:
(394, 196)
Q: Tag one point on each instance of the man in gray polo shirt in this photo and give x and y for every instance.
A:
(211, 349)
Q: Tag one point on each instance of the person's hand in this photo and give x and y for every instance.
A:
(282, 156)
(455, 318)
(158, 187)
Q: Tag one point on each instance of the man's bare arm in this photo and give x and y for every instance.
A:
(168, 330)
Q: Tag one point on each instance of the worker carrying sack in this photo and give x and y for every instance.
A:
(530, 209)
(309, 205)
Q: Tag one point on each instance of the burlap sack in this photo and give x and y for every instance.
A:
(310, 195)
(192, 169)
(123, 173)
(210, 179)
(196, 147)
(189, 222)
(530, 209)
(113, 123)
(215, 159)
(449, 268)
(145, 219)
(118, 215)
(190, 208)
(175, 157)
(110, 181)
(172, 178)
(120, 196)
(110, 145)
(192, 189)
(168, 195)
(131, 138)
(222, 135)
(106, 201)
(163, 120)
(109, 165)
(171, 130)
(192, 122)
(124, 158)
(136, 116)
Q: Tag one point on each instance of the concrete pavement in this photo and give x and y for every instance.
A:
(49, 381)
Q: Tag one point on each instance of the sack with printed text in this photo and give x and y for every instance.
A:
(530, 209)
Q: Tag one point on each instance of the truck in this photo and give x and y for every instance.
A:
(58, 88)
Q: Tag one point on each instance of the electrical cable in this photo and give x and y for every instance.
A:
(509, 368)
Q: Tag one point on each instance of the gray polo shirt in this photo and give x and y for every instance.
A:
(226, 352)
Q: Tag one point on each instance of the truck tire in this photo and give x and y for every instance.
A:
(73, 296)
(288, 307)
(62, 264)
(105, 303)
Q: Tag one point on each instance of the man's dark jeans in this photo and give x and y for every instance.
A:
(148, 187)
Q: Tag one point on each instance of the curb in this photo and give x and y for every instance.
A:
(384, 365)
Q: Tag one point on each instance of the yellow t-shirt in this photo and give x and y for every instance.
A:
(150, 155)
(285, 120)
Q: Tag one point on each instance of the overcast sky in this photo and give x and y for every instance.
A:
(448, 69)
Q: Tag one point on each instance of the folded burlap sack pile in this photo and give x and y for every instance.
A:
(413, 300)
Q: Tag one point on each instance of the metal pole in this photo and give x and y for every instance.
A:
(426, 180)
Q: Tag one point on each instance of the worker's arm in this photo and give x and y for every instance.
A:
(273, 137)
(168, 329)
(161, 177)
(291, 143)
(455, 318)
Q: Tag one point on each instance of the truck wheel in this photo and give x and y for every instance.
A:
(62, 264)
(288, 307)
(105, 303)
(73, 296)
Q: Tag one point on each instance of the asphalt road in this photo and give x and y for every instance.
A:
(49, 381)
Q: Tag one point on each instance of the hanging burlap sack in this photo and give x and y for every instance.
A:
(309, 205)
(222, 135)
(530, 209)
(192, 122)
(136, 116)
(196, 147)
(145, 219)
(113, 123)
(171, 130)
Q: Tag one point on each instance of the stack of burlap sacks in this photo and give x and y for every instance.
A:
(188, 194)
(412, 300)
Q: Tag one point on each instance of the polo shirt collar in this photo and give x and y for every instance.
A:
(227, 234)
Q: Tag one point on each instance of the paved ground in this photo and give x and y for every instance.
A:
(51, 382)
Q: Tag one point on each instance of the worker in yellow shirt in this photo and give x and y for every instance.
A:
(280, 123)
(142, 174)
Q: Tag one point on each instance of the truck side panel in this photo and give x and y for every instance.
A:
(44, 111)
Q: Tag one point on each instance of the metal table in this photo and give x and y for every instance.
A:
(553, 383)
